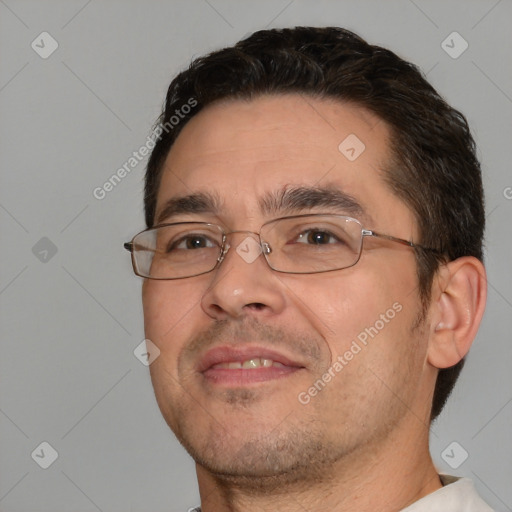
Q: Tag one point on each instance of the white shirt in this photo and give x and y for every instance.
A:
(457, 495)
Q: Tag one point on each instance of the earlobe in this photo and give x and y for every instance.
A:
(458, 302)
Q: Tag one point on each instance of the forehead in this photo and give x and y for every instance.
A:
(240, 151)
(285, 127)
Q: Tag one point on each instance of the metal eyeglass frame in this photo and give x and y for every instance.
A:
(266, 249)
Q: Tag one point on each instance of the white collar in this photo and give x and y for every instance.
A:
(457, 495)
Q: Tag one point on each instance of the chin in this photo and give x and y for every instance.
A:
(285, 454)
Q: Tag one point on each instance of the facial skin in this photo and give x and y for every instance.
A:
(255, 444)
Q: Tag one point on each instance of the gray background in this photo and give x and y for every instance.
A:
(71, 320)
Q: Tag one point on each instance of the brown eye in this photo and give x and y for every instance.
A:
(319, 237)
(316, 237)
(191, 242)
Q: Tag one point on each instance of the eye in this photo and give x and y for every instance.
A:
(317, 237)
(191, 242)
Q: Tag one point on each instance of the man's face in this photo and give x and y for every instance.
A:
(266, 420)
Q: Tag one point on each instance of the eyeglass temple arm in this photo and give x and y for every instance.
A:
(369, 232)
(131, 246)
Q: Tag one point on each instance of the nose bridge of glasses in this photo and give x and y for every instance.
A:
(253, 235)
(248, 247)
(256, 235)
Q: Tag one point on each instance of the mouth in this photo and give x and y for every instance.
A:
(230, 366)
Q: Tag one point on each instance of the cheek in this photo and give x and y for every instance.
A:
(365, 319)
(168, 315)
(361, 303)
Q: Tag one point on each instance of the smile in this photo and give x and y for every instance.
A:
(244, 365)
(248, 364)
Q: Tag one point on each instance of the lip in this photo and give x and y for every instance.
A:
(239, 354)
(243, 376)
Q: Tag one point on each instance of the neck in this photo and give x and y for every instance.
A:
(388, 477)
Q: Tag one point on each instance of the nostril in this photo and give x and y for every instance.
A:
(216, 311)
(258, 306)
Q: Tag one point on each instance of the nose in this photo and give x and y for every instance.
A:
(243, 283)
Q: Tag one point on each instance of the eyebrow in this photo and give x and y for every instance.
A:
(288, 200)
(300, 198)
(200, 202)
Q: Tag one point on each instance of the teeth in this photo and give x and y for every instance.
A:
(249, 364)
(252, 363)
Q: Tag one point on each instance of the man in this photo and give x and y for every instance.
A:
(313, 274)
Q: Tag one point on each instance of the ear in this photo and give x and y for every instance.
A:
(458, 301)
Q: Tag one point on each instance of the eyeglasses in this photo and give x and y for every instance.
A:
(302, 244)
